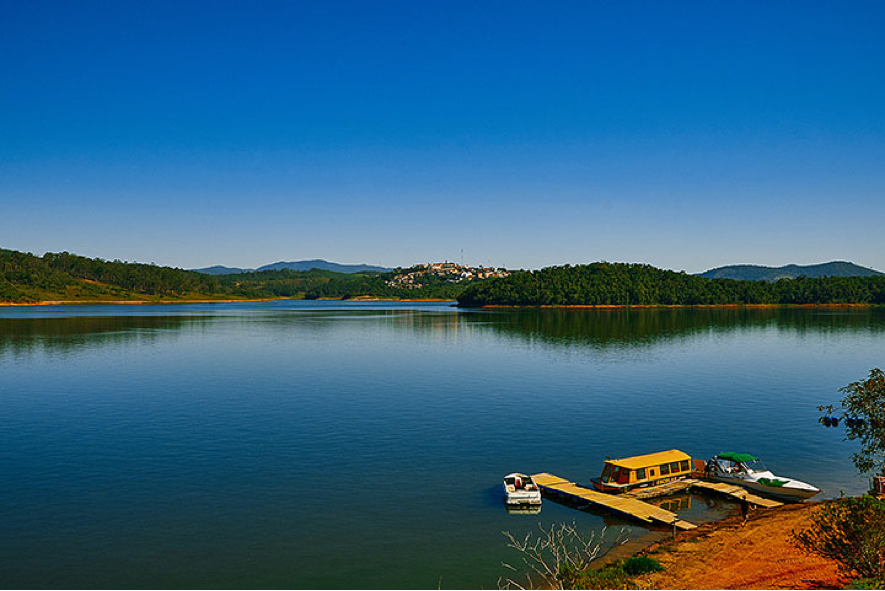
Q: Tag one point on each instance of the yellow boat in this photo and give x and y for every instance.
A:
(642, 471)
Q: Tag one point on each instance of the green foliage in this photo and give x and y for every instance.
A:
(610, 576)
(64, 276)
(619, 284)
(864, 399)
(866, 584)
(615, 575)
(851, 532)
(317, 284)
(137, 277)
(641, 565)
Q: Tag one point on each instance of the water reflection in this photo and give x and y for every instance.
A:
(523, 509)
(21, 336)
(558, 327)
(642, 326)
(238, 434)
(673, 503)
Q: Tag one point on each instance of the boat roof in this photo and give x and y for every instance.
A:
(736, 457)
(661, 457)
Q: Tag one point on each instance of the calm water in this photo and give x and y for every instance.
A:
(321, 444)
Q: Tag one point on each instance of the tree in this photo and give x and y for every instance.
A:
(863, 414)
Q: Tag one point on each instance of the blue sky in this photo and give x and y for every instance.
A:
(687, 135)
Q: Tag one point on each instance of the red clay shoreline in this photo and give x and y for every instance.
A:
(199, 301)
(491, 306)
(676, 306)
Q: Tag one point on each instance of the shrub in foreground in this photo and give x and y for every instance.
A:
(641, 565)
(850, 531)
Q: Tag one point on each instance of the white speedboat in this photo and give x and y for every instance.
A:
(747, 471)
(520, 489)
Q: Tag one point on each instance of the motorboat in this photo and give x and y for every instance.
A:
(520, 489)
(748, 471)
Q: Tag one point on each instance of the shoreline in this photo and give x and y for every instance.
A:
(488, 307)
(131, 302)
(724, 554)
(665, 306)
(380, 299)
(204, 301)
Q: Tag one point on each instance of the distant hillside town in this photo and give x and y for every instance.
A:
(433, 273)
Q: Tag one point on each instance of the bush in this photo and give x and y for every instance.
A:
(851, 532)
(641, 565)
(866, 584)
(610, 576)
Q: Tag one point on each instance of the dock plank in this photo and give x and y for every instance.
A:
(622, 505)
(630, 504)
(544, 479)
(738, 493)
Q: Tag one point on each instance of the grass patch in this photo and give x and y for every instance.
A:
(641, 565)
(616, 575)
(866, 584)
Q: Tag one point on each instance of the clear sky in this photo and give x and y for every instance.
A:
(687, 135)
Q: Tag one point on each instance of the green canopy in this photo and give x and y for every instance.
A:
(731, 456)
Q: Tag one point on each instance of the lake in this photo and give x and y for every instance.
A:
(344, 444)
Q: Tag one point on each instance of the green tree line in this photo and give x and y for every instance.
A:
(65, 276)
(25, 277)
(624, 284)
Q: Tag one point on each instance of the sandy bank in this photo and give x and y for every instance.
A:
(204, 301)
(130, 302)
(375, 299)
(759, 555)
(678, 306)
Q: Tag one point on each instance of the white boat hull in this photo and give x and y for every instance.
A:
(791, 490)
(520, 489)
(533, 498)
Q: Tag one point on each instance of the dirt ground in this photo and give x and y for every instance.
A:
(759, 555)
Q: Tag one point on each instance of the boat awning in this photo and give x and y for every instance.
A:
(735, 457)
(662, 457)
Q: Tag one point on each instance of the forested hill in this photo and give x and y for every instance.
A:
(64, 276)
(26, 278)
(635, 285)
(762, 273)
(319, 264)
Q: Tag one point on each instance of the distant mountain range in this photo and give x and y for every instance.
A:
(295, 266)
(762, 273)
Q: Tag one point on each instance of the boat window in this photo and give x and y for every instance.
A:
(674, 467)
(615, 473)
(606, 472)
(640, 474)
(683, 466)
(651, 471)
(665, 469)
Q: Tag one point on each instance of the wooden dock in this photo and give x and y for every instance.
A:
(620, 505)
(631, 506)
(728, 490)
(735, 492)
